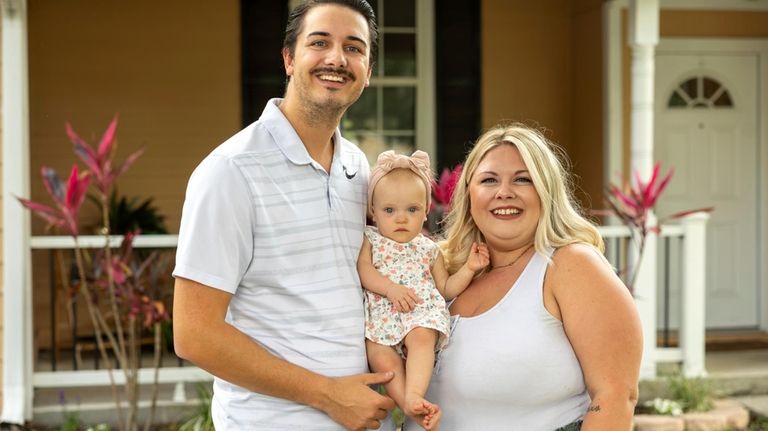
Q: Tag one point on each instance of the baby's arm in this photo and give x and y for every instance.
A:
(403, 298)
(451, 286)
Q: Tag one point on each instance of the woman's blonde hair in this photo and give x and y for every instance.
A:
(560, 222)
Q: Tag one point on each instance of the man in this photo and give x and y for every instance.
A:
(267, 297)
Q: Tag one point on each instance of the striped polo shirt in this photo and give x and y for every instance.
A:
(265, 222)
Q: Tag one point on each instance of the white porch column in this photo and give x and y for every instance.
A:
(643, 37)
(17, 308)
(694, 292)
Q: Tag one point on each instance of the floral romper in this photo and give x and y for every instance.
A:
(407, 264)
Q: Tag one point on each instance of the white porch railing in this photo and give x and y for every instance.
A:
(688, 265)
(690, 257)
(178, 376)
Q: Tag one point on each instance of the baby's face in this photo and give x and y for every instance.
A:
(400, 205)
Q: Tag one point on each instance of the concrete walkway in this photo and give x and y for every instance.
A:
(757, 404)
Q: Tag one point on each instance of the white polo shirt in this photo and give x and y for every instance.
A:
(265, 222)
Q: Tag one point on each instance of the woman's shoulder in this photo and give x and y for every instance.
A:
(578, 258)
(576, 252)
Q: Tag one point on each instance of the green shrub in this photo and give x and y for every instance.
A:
(202, 419)
(693, 394)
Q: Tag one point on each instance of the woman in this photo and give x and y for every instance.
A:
(546, 337)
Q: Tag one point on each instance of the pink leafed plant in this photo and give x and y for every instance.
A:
(128, 284)
(443, 188)
(633, 204)
(68, 199)
(100, 160)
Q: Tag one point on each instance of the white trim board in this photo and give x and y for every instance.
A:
(16, 273)
(740, 5)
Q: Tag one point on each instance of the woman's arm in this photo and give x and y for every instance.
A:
(602, 324)
(450, 286)
(403, 298)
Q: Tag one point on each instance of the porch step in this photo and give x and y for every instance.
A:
(722, 340)
(731, 374)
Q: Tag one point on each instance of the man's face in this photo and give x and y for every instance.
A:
(330, 65)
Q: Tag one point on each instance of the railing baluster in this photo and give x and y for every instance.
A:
(52, 293)
(666, 287)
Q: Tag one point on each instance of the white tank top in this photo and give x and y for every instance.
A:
(511, 367)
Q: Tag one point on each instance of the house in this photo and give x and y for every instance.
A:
(618, 83)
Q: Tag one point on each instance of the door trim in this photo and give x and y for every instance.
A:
(758, 47)
(613, 127)
(729, 304)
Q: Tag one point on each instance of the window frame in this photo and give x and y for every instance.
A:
(423, 82)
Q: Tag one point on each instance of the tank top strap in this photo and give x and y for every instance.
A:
(529, 287)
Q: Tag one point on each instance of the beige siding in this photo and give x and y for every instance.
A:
(170, 69)
(586, 145)
(542, 65)
(527, 63)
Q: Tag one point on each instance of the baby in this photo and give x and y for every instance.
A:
(407, 283)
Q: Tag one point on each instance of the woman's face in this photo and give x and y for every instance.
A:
(503, 202)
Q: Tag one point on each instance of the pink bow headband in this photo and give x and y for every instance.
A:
(418, 163)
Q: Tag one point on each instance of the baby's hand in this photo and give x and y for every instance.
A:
(478, 258)
(403, 298)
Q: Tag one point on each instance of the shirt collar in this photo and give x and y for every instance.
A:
(286, 138)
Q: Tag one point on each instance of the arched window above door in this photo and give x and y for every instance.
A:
(700, 92)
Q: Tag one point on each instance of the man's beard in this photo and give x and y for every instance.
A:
(327, 109)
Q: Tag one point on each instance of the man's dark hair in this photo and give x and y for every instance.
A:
(296, 21)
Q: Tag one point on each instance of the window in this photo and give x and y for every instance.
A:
(397, 110)
(700, 92)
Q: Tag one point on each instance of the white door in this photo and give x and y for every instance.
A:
(706, 129)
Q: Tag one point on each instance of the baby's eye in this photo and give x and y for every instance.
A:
(413, 209)
(389, 210)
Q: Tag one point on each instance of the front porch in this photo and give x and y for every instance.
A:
(71, 376)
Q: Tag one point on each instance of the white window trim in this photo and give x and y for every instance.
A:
(425, 67)
(424, 81)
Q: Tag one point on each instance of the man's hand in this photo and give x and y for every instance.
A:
(354, 405)
(403, 298)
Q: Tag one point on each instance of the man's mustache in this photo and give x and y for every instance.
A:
(341, 72)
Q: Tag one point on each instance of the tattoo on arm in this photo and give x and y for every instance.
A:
(594, 408)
